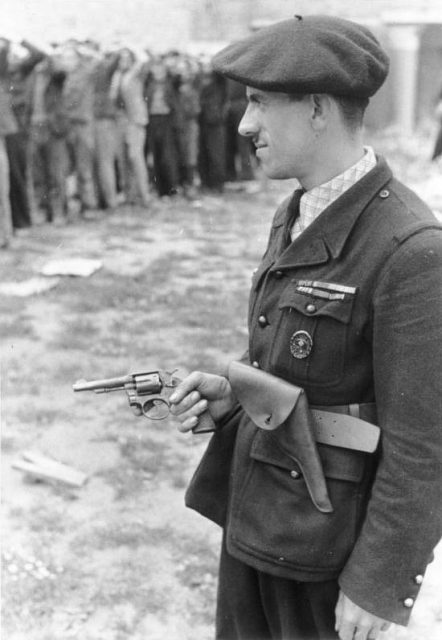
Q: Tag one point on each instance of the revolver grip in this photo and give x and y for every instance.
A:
(205, 424)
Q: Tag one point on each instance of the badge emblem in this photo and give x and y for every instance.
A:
(301, 344)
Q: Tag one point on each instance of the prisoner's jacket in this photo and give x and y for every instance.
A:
(380, 342)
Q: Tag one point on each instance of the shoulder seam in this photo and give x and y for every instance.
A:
(414, 228)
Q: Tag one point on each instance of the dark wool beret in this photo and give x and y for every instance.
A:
(311, 54)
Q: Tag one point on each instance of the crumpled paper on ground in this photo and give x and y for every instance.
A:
(28, 287)
(81, 267)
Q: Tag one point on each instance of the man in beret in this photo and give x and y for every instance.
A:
(346, 305)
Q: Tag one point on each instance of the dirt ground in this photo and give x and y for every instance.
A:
(121, 558)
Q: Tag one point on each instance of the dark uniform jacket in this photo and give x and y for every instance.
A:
(379, 341)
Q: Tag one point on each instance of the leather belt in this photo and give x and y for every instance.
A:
(349, 426)
(364, 411)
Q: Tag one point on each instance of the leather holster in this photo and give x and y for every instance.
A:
(276, 405)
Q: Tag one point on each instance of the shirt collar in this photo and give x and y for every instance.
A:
(314, 202)
(328, 235)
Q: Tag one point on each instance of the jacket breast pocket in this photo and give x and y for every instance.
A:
(276, 518)
(310, 340)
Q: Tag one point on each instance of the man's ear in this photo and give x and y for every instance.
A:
(321, 107)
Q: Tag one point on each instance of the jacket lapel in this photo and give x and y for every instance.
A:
(327, 235)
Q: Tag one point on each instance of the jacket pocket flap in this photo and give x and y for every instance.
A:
(337, 463)
(338, 309)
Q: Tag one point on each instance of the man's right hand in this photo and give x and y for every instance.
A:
(200, 392)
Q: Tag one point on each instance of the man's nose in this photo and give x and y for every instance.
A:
(247, 126)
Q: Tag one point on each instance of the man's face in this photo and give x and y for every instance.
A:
(281, 132)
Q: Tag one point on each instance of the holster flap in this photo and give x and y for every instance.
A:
(268, 400)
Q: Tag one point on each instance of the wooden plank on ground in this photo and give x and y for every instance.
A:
(42, 467)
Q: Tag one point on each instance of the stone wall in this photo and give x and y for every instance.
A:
(228, 19)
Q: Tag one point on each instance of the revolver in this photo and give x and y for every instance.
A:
(148, 395)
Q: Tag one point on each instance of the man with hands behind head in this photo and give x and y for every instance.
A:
(345, 304)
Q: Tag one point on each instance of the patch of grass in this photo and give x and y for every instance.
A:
(147, 457)
(8, 444)
(26, 600)
(110, 291)
(34, 593)
(197, 569)
(76, 334)
(39, 416)
(124, 481)
(11, 305)
(48, 520)
(125, 532)
(132, 583)
(17, 326)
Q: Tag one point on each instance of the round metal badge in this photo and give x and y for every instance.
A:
(301, 344)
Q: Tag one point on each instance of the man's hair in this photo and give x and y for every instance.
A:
(352, 109)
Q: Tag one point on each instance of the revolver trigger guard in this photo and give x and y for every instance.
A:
(149, 407)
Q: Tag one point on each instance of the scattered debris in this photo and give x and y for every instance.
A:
(81, 267)
(28, 287)
(39, 466)
(19, 565)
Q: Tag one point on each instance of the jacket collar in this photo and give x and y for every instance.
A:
(328, 234)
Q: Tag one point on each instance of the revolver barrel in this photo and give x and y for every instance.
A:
(101, 386)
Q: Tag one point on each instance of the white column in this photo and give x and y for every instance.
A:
(404, 42)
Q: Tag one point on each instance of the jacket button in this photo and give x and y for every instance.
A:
(255, 364)
(384, 194)
(408, 603)
(295, 474)
(419, 579)
(262, 321)
(279, 274)
(310, 308)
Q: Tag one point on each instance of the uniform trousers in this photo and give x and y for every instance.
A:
(16, 145)
(109, 153)
(137, 179)
(5, 205)
(163, 146)
(187, 137)
(253, 605)
(212, 155)
(49, 166)
(80, 142)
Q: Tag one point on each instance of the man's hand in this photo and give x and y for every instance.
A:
(354, 623)
(197, 393)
